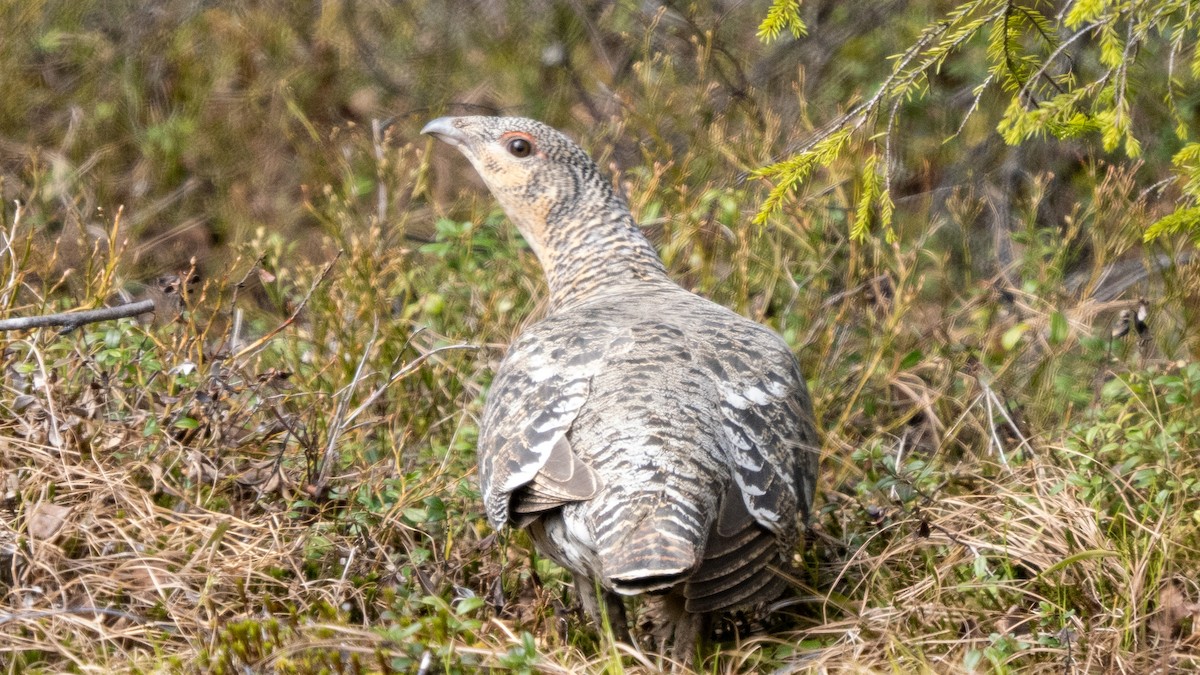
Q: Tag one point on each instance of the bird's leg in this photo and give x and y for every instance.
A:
(681, 628)
(687, 638)
(600, 604)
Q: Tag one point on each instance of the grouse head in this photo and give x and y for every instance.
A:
(579, 228)
(536, 173)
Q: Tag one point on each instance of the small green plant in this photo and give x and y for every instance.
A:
(1135, 451)
(1033, 65)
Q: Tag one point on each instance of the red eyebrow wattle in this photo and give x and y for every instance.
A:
(515, 134)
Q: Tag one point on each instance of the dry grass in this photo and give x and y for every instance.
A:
(179, 496)
(276, 473)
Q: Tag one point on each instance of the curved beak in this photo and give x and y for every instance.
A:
(444, 130)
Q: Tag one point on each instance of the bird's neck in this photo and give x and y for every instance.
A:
(588, 252)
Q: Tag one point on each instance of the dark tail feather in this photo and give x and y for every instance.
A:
(738, 576)
(649, 559)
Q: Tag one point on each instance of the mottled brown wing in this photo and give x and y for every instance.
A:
(772, 440)
(526, 464)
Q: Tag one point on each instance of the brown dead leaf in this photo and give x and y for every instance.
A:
(1173, 610)
(263, 475)
(200, 468)
(46, 520)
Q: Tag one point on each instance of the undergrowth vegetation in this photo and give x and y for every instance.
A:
(274, 472)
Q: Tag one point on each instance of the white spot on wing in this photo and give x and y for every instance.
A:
(736, 400)
(575, 388)
(765, 515)
(523, 475)
(750, 490)
(542, 373)
(568, 405)
(753, 467)
(756, 396)
(553, 423)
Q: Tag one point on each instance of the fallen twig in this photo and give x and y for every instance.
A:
(73, 320)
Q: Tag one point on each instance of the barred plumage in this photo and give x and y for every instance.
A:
(652, 441)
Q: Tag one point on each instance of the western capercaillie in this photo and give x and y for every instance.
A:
(651, 441)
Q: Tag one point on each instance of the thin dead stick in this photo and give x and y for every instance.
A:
(43, 613)
(9, 238)
(344, 420)
(246, 278)
(994, 438)
(402, 373)
(257, 344)
(343, 404)
(381, 196)
(236, 333)
(73, 320)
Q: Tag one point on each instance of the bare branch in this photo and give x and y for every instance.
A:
(72, 320)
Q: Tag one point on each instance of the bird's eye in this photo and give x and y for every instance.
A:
(520, 147)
